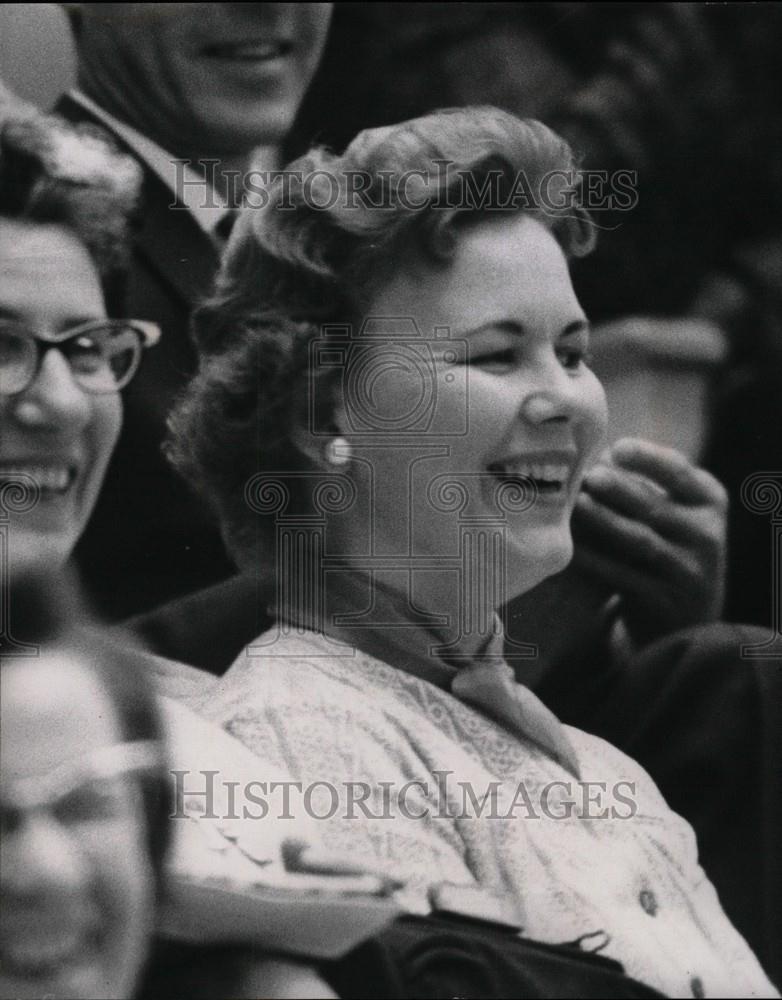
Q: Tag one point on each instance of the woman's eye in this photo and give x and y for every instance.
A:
(492, 360)
(85, 355)
(573, 357)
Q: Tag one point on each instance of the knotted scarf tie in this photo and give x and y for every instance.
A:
(483, 679)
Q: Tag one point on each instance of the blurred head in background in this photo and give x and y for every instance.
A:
(84, 806)
(207, 79)
(65, 199)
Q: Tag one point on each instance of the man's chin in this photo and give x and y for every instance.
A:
(239, 136)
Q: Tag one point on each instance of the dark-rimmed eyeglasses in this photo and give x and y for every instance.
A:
(78, 791)
(103, 355)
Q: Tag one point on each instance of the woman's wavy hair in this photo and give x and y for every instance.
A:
(54, 173)
(325, 236)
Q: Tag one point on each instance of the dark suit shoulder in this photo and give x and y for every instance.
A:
(209, 628)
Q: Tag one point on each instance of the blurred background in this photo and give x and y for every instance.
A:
(36, 51)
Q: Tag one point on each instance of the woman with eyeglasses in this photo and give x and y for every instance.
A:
(83, 789)
(83, 843)
(65, 200)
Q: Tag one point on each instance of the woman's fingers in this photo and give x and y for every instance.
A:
(692, 527)
(625, 492)
(670, 470)
(652, 526)
(695, 524)
(630, 540)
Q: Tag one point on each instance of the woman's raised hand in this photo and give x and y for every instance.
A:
(653, 527)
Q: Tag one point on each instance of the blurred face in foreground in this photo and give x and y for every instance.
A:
(517, 415)
(211, 79)
(76, 905)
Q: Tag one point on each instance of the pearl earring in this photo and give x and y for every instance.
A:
(28, 412)
(338, 451)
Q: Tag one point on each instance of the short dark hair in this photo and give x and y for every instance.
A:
(54, 173)
(292, 266)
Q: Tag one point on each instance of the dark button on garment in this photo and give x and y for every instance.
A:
(696, 985)
(648, 902)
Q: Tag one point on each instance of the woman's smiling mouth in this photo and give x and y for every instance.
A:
(248, 50)
(53, 479)
(548, 474)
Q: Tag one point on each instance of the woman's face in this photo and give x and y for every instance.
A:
(518, 402)
(53, 432)
(77, 886)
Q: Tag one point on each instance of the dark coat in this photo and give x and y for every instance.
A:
(149, 538)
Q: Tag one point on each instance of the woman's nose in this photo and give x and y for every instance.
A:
(547, 406)
(550, 393)
(41, 858)
(54, 400)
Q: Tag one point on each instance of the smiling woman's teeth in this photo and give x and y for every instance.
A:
(550, 475)
(51, 478)
(248, 50)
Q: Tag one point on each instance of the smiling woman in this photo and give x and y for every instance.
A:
(535, 412)
(496, 304)
(65, 197)
(394, 406)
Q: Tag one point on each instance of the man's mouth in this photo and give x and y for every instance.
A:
(53, 479)
(249, 51)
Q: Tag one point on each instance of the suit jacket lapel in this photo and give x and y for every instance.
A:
(167, 237)
(173, 243)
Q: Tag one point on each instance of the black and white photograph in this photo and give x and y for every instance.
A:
(390, 500)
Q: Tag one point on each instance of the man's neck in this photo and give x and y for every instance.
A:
(228, 174)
